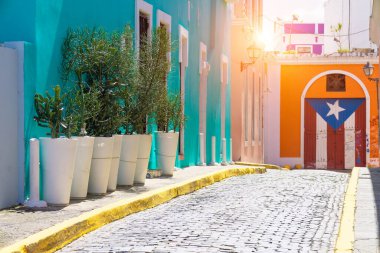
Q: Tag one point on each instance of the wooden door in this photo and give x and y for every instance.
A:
(310, 137)
(360, 136)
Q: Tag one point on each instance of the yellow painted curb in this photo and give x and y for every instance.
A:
(56, 237)
(267, 166)
(346, 234)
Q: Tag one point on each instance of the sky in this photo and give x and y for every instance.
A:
(308, 10)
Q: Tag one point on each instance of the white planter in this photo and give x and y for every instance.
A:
(82, 167)
(143, 159)
(112, 180)
(58, 159)
(100, 165)
(128, 159)
(166, 152)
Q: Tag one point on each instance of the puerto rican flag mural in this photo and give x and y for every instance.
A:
(335, 133)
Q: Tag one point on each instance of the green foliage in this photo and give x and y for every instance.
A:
(129, 83)
(49, 110)
(169, 114)
(336, 30)
(153, 69)
(94, 60)
(80, 107)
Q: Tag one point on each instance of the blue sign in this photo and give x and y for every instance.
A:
(335, 111)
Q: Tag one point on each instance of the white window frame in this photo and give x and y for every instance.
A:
(260, 107)
(144, 7)
(202, 50)
(165, 19)
(184, 34)
(253, 110)
(203, 66)
(183, 59)
(245, 109)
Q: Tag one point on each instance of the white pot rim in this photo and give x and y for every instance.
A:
(63, 139)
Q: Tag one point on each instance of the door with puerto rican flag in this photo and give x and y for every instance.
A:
(335, 133)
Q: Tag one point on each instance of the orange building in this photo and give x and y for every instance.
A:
(321, 112)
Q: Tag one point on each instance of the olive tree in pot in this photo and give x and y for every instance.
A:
(169, 118)
(81, 107)
(58, 154)
(153, 68)
(81, 104)
(98, 56)
(129, 102)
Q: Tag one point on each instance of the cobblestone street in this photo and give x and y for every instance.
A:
(280, 211)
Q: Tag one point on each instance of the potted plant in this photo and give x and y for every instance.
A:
(97, 58)
(169, 118)
(128, 97)
(81, 106)
(58, 154)
(153, 68)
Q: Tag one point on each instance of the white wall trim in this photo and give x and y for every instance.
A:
(147, 9)
(368, 107)
(20, 48)
(224, 60)
(183, 35)
(183, 59)
(202, 50)
(164, 18)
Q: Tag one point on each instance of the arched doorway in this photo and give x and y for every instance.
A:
(334, 124)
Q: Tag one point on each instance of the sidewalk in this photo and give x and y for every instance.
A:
(18, 223)
(367, 211)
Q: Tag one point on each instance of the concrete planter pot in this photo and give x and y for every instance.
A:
(128, 160)
(166, 152)
(143, 159)
(82, 167)
(100, 165)
(58, 160)
(112, 180)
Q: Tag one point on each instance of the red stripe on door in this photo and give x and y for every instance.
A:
(335, 148)
(360, 136)
(310, 137)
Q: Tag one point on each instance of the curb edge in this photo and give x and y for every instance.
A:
(346, 233)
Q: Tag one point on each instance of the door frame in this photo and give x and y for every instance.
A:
(367, 100)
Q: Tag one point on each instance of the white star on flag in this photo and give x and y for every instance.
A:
(335, 109)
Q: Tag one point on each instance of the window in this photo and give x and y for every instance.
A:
(246, 108)
(143, 21)
(336, 83)
(253, 110)
(303, 50)
(144, 27)
(183, 56)
(164, 20)
(260, 118)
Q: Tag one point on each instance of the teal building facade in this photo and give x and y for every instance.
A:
(200, 61)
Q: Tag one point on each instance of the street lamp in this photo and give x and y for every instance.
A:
(368, 71)
(254, 53)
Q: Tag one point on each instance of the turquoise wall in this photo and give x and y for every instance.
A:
(44, 23)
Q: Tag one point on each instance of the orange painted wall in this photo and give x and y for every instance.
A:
(294, 78)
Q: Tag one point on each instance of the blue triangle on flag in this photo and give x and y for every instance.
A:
(335, 111)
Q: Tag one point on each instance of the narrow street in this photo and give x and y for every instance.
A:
(279, 211)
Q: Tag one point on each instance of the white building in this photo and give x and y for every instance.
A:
(353, 15)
